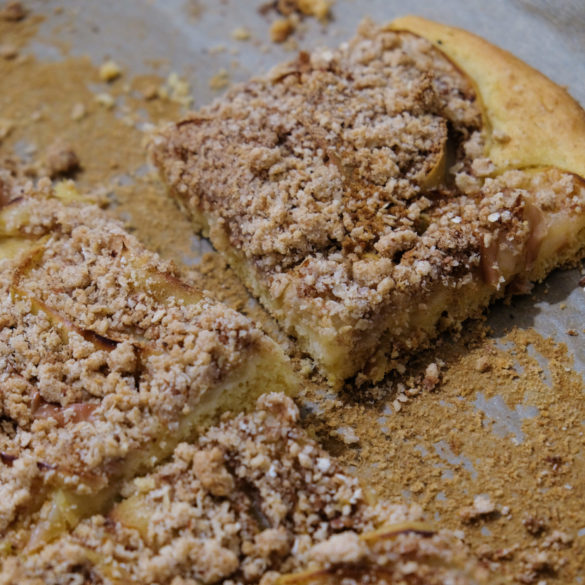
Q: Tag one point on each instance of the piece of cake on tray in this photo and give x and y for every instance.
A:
(107, 361)
(253, 500)
(378, 194)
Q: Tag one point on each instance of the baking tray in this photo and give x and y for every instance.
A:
(194, 38)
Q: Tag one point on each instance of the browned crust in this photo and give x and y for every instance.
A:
(531, 121)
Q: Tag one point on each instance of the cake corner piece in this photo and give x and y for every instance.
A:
(376, 195)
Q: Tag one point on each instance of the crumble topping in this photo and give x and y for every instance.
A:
(103, 349)
(249, 502)
(357, 176)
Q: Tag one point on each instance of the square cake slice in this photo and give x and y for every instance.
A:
(253, 500)
(376, 195)
(107, 361)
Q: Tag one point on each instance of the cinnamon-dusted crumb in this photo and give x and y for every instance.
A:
(285, 511)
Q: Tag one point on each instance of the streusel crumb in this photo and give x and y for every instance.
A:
(351, 190)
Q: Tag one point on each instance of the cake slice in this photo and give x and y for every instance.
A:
(376, 195)
(253, 500)
(107, 361)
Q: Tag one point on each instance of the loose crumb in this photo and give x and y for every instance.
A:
(61, 160)
(78, 112)
(220, 80)
(177, 90)
(110, 71)
(482, 507)
(6, 127)
(241, 34)
(8, 51)
(281, 29)
(13, 12)
(106, 100)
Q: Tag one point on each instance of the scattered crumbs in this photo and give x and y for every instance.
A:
(13, 12)
(524, 480)
(110, 71)
(220, 80)
(241, 34)
(105, 99)
(563, 306)
(281, 29)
